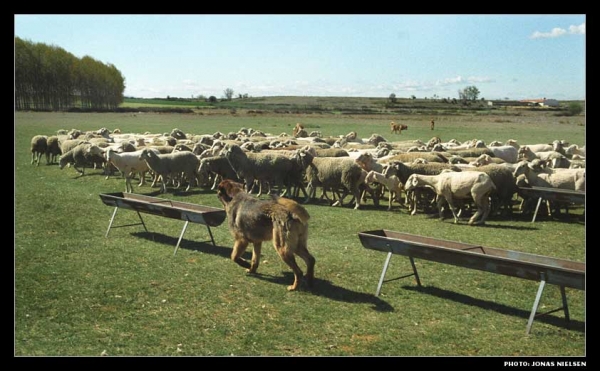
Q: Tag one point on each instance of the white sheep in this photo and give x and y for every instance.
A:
(451, 186)
(526, 153)
(128, 163)
(393, 185)
(573, 179)
(172, 165)
(507, 153)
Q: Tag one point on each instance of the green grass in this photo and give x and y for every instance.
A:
(80, 293)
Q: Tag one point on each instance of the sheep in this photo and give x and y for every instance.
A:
(507, 153)
(79, 156)
(52, 149)
(539, 147)
(368, 163)
(564, 163)
(39, 146)
(177, 134)
(182, 147)
(526, 153)
(331, 152)
(128, 163)
(264, 167)
(218, 168)
(574, 149)
(170, 164)
(409, 157)
(505, 183)
(573, 179)
(403, 171)
(67, 145)
(393, 185)
(471, 152)
(376, 139)
(486, 160)
(301, 159)
(335, 173)
(451, 186)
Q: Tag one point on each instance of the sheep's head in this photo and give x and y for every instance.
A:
(411, 183)
(62, 162)
(94, 150)
(521, 169)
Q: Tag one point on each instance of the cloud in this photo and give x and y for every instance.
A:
(462, 80)
(557, 32)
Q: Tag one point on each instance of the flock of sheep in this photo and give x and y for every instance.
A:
(429, 175)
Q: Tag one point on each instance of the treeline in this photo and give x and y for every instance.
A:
(51, 79)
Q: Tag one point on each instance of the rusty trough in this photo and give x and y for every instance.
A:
(544, 269)
(206, 215)
(552, 194)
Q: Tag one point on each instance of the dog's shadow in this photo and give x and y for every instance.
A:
(320, 287)
(201, 246)
(328, 290)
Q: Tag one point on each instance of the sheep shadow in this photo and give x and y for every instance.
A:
(574, 325)
(201, 246)
(328, 290)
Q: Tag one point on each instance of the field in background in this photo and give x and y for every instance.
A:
(80, 293)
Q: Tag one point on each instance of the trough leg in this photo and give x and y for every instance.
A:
(536, 303)
(180, 237)
(412, 262)
(564, 301)
(211, 236)
(111, 221)
(143, 224)
(537, 207)
(385, 267)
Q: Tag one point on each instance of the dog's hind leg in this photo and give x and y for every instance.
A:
(302, 251)
(288, 257)
(239, 247)
(255, 257)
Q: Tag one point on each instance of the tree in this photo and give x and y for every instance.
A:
(228, 93)
(468, 93)
(392, 98)
(212, 99)
(574, 109)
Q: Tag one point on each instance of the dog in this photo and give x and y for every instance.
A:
(252, 220)
(397, 128)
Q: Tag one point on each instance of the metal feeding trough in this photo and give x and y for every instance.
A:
(560, 272)
(552, 194)
(209, 216)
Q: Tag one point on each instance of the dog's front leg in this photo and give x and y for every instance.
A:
(255, 257)
(239, 247)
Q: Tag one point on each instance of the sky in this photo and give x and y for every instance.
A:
(347, 55)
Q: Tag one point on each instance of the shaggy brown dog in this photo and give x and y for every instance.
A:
(397, 128)
(252, 220)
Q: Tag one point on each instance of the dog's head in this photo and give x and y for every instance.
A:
(227, 189)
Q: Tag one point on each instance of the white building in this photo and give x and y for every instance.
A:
(541, 102)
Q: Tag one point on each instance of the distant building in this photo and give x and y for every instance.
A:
(541, 102)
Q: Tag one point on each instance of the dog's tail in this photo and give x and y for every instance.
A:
(295, 210)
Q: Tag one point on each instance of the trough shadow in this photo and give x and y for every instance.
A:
(513, 227)
(550, 319)
(328, 290)
(202, 246)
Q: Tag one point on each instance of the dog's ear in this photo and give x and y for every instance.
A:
(222, 194)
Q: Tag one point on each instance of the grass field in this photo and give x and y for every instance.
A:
(78, 293)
